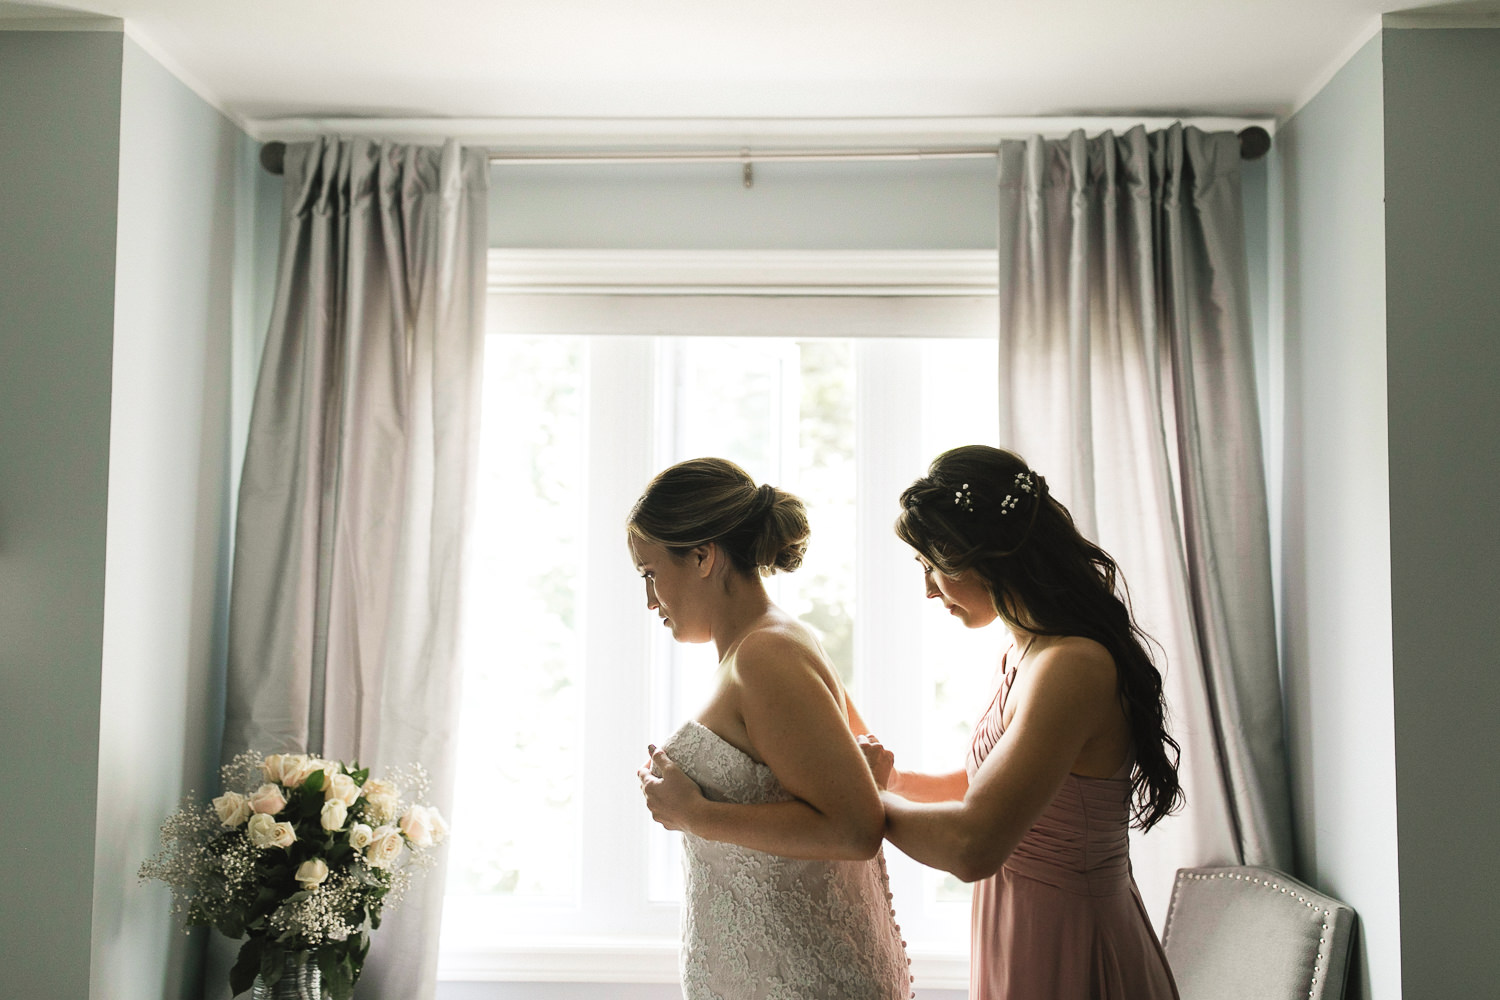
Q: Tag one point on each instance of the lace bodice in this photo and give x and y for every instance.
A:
(760, 926)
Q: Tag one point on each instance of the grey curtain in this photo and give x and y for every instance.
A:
(357, 484)
(1126, 378)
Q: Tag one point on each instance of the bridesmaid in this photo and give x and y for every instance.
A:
(1071, 751)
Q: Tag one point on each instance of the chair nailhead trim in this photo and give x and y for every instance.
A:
(1320, 964)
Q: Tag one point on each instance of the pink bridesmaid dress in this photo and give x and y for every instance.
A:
(1062, 919)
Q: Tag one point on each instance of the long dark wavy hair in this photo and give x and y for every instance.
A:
(983, 510)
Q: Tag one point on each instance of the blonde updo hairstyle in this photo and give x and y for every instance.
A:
(760, 528)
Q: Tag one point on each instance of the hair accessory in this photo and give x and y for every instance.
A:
(765, 499)
(1025, 483)
(964, 498)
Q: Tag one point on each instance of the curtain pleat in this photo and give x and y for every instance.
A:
(357, 486)
(1127, 378)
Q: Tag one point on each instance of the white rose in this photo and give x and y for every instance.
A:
(381, 800)
(282, 835)
(341, 787)
(360, 836)
(334, 815)
(418, 826)
(267, 799)
(415, 828)
(281, 766)
(385, 847)
(294, 777)
(439, 825)
(311, 874)
(271, 767)
(261, 829)
(233, 809)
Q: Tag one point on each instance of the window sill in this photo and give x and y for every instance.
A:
(631, 960)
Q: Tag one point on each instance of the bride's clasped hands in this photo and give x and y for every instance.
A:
(669, 793)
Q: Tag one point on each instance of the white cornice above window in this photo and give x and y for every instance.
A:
(743, 272)
(799, 293)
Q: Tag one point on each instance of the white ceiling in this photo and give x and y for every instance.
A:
(262, 61)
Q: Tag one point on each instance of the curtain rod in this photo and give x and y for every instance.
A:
(1254, 143)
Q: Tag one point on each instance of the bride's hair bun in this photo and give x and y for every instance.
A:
(760, 528)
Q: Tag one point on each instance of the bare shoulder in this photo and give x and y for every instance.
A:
(780, 652)
(1073, 669)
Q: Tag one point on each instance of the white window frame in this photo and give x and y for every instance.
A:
(623, 295)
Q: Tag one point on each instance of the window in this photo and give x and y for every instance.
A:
(832, 392)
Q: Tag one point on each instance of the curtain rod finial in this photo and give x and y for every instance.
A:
(273, 157)
(1255, 142)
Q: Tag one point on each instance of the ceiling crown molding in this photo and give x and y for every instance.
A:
(15, 17)
(1471, 15)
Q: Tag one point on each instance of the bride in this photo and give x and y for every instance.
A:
(787, 894)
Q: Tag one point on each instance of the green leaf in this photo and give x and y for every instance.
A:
(341, 981)
(272, 962)
(314, 782)
(232, 925)
(247, 964)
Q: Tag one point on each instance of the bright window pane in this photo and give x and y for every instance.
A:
(960, 389)
(520, 731)
(821, 592)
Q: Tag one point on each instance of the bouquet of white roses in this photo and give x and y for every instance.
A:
(299, 857)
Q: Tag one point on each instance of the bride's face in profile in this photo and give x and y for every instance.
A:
(674, 589)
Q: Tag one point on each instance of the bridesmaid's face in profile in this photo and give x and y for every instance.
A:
(674, 588)
(965, 596)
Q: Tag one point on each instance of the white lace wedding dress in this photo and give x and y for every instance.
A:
(759, 926)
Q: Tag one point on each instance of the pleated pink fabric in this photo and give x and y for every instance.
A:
(1062, 919)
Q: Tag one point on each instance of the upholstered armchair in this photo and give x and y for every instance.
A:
(1255, 934)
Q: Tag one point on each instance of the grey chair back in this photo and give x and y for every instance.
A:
(1255, 934)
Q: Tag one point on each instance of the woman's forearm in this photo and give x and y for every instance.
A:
(915, 786)
(938, 835)
(792, 829)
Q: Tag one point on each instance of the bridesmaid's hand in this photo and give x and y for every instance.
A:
(670, 795)
(882, 762)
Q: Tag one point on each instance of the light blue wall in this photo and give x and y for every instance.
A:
(1335, 576)
(1442, 251)
(1389, 187)
(59, 142)
(118, 271)
(900, 205)
(167, 549)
